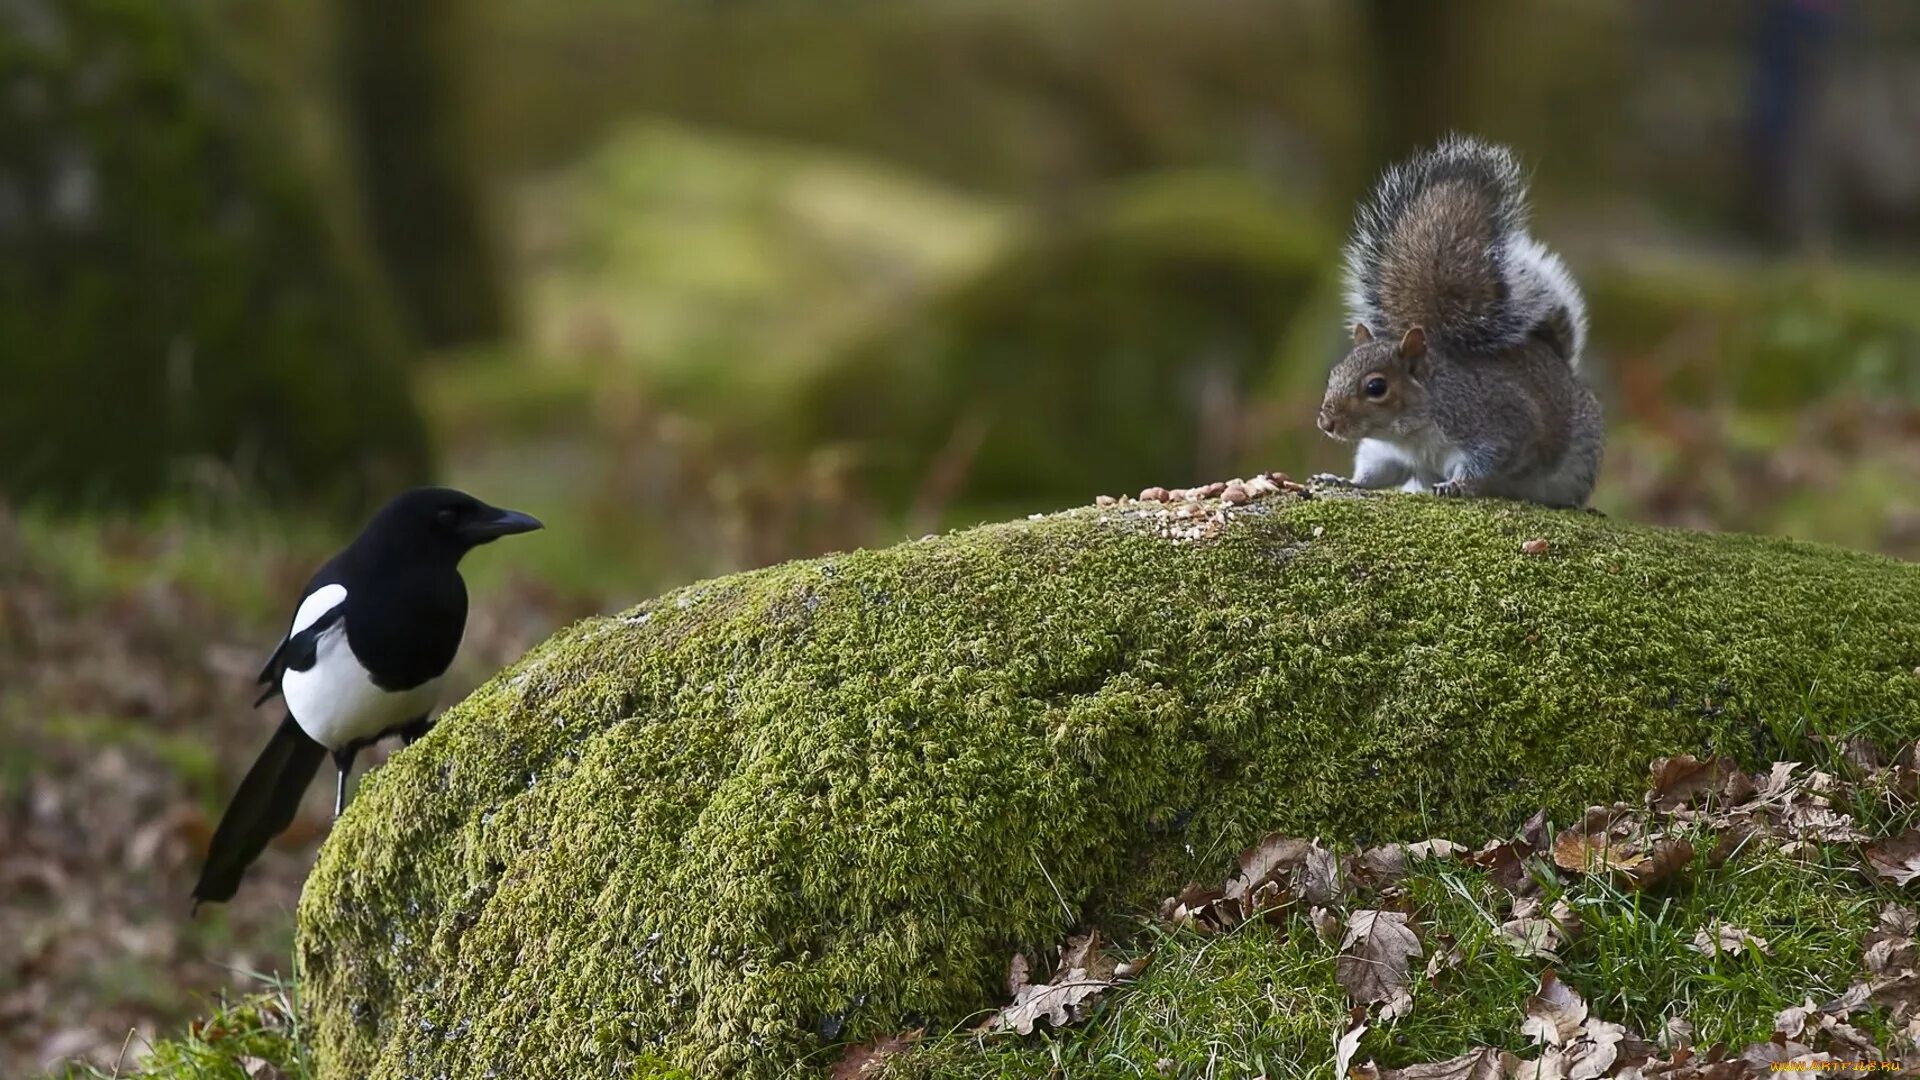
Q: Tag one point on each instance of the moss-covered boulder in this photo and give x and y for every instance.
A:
(175, 289)
(824, 801)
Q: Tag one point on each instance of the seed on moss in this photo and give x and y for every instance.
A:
(1103, 500)
(1234, 495)
(1536, 546)
(1154, 494)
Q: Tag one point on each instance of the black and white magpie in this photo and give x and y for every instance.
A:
(374, 631)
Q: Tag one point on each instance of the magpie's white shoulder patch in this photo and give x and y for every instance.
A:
(318, 603)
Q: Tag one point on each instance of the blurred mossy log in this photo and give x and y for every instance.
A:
(401, 67)
(1111, 351)
(177, 298)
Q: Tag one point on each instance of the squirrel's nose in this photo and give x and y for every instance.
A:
(1326, 423)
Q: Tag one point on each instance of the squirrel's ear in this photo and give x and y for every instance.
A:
(1361, 335)
(1414, 344)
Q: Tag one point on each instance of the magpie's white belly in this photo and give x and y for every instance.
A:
(336, 701)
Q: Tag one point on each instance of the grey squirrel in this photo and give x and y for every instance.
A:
(1464, 375)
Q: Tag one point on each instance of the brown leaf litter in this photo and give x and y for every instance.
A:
(1084, 973)
(870, 1060)
(1378, 943)
(1373, 962)
(1725, 939)
(1273, 875)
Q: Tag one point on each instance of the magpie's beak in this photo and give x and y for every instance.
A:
(495, 523)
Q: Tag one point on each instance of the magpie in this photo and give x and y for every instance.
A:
(372, 635)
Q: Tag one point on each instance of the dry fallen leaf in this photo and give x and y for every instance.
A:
(1373, 961)
(1017, 974)
(1896, 858)
(1761, 1057)
(1203, 908)
(1685, 781)
(1272, 875)
(1599, 843)
(1322, 884)
(1610, 840)
(1888, 948)
(1446, 956)
(1326, 924)
(1349, 1043)
(1506, 864)
(1792, 1020)
(1531, 935)
(860, 1062)
(1664, 858)
(257, 1068)
(1389, 862)
(1851, 1001)
(1274, 859)
(1481, 1064)
(1721, 937)
(1555, 1013)
(1085, 972)
(1594, 1052)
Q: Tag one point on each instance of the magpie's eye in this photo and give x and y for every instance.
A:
(447, 517)
(1376, 388)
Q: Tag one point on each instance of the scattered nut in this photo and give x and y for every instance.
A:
(1103, 500)
(1319, 531)
(1234, 495)
(1213, 489)
(1536, 546)
(1154, 494)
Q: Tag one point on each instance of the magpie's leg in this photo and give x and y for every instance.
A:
(415, 730)
(343, 761)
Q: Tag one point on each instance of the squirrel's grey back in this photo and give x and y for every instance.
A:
(1443, 244)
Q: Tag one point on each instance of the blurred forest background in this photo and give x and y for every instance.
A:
(711, 285)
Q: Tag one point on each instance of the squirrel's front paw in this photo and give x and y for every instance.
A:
(1452, 489)
(1329, 480)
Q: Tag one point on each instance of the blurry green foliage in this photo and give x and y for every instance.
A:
(1765, 339)
(175, 292)
(1113, 350)
(718, 271)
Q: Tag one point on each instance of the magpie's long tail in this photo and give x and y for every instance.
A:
(262, 808)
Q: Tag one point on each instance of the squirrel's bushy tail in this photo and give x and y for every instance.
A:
(1443, 244)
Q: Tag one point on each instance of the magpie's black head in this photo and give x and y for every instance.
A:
(442, 523)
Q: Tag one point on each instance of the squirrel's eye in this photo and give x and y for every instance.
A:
(1376, 388)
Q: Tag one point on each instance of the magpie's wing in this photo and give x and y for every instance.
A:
(319, 611)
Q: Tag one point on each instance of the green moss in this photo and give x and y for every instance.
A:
(831, 796)
(231, 1044)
